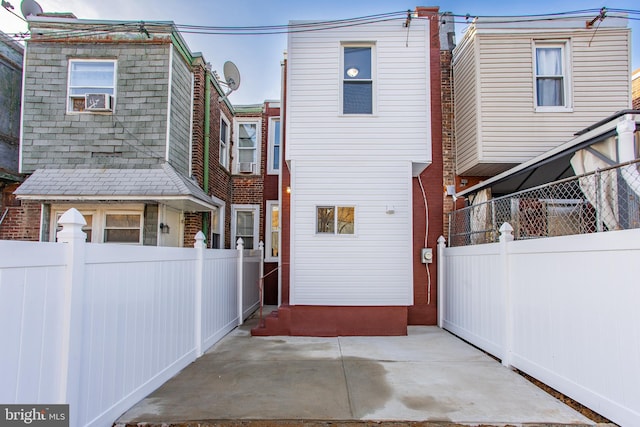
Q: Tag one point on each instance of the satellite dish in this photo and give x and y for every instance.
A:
(231, 76)
(30, 7)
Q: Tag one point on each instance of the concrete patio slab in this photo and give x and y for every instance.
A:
(428, 376)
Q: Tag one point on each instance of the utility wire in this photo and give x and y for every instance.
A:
(308, 26)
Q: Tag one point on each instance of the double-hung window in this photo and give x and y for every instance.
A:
(335, 219)
(247, 148)
(224, 142)
(92, 85)
(124, 227)
(274, 146)
(551, 77)
(104, 225)
(245, 225)
(217, 228)
(272, 232)
(357, 79)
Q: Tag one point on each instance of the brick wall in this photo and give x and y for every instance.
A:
(192, 224)
(22, 219)
(448, 147)
(219, 177)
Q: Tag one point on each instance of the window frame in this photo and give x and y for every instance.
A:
(373, 79)
(236, 144)
(273, 142)
(268, 232)
(98, 222)
(256, 224)
(113, 88)
(122, 212)
(336, 208)
(224, 145)
(220, 208)
(565, 51)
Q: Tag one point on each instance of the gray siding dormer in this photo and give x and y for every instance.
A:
(134, 135)
(180, 116)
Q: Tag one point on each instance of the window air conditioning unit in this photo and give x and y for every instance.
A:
(245, 167)
(98, 102)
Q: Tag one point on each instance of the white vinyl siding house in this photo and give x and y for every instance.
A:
(498, 121)
(363, 161)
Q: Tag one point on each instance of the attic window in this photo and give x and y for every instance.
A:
(92, 85)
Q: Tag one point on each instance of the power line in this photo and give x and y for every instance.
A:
(307, 26)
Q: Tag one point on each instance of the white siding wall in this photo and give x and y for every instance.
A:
(361, 161)
(401, 127)
(511, 131)
(371, 267)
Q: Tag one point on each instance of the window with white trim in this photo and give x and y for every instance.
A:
(274, 146)
(225, 136)
(91, 85)
(245, 225)
(217, 228)
(335, 219)
(551, 76)
(272, 231)
(123, 224)
(357, 79)
(122, 227)
(247, 147)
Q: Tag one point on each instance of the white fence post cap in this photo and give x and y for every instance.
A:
(506, 232)
(72, 222)
(200, 237)
(72, 217)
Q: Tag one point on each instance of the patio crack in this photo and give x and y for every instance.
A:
(346, 380)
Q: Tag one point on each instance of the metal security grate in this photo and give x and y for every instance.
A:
(604, 200)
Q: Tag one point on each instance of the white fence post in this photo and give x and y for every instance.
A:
(240, 248)
(200, 246)
(506, 236)
(441, 278)
(74, 238)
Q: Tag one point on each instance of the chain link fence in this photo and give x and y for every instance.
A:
(604, 200)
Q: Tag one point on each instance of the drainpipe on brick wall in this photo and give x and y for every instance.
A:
(207, 124)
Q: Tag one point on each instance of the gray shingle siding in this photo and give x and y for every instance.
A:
(134, 136)
(180, 115)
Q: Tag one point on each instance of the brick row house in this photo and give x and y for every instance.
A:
(361, 179)
(347, 182)
(566, 76)
(11, 54)
(123, 122)
(255, 201)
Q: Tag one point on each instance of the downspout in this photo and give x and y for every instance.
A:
(627, 152)
(207, 125)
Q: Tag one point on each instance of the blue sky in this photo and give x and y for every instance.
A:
(258, 57)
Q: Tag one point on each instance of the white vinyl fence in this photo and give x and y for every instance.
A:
(101, 326)
(562, 309)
